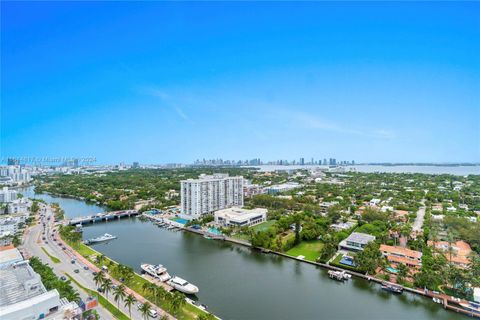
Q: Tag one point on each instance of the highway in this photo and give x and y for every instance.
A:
(33, 244)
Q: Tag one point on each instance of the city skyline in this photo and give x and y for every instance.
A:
(176, 82)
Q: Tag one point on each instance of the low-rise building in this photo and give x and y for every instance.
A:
(250, 190)
(238, 217)
(397, 255)
(284, 187)
(23, 295)
(9, 255)
(457, 252)
(339, 226)
(356, 241)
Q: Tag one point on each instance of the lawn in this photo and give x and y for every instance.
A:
(102, 300)
(264, 225)
(54, 259)
(336, 263)
(309, 249)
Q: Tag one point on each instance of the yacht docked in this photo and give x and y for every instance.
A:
(339, 275)
(394, 288)
(182, 285)
(157, 271)
(105, 237)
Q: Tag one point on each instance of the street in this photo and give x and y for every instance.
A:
(33, 244)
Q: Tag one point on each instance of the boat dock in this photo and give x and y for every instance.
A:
(159, 283)
(104, 216)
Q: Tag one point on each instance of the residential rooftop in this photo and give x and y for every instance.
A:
(18, 282)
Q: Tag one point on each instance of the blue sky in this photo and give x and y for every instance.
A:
(175, 81)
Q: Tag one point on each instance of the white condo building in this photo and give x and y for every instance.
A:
(210, 193)
(7, 195)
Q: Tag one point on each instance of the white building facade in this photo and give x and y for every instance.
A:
(7, 195)
(238, 217)
(210, 193)
(15, 175)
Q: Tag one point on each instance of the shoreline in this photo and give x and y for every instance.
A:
(424, 293)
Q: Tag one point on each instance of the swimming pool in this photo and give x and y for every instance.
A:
(392, 270)
(348, 261)
(179, 220)
(214, 231)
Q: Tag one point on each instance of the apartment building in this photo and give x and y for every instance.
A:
(210, 193)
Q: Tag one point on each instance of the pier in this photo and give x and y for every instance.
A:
(104, 216)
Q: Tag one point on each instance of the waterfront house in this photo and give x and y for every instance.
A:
(396, 255)
(457, 252)
(239, 217)
(356, 241)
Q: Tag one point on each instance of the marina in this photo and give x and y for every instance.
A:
(249, 273)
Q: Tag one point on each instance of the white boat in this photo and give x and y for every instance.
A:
(157, 271)
(197, 304)
(339, 275)
(182, 285)
(105, 237)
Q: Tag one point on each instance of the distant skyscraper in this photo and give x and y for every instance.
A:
(13, 162)
(324, 162)
(210, 193)
(135, 165)
(302, 161)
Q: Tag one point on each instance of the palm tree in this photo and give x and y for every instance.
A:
(178, 300)
(146, 287)
(107, 286)
(402, 272)
(129, 302)
(73, 296)
(119, 294)
(153, 289)
(145, 310)
(99, 278)
(100, 258)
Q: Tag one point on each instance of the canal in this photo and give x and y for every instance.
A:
(240, 283)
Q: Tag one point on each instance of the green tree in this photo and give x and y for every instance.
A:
(119, 294)
(177, 301)
(129, 302)
(107, 286)
(145, 310)
(370, 258)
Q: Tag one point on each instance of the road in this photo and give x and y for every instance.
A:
(33, 244)
(418, 223)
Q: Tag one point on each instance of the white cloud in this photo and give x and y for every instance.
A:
(299, 119)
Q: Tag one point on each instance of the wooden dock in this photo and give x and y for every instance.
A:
(157, 282)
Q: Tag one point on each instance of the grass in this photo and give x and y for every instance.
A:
(102, 300)
(136, 283)
(336, 263)
(54, 259)
(309, 249)
(264, 225)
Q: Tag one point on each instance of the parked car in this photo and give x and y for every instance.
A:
(63, 278)
(99, 289)
(152, 313)
(85, 268)
(73, 261)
